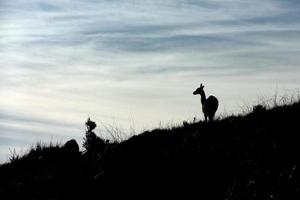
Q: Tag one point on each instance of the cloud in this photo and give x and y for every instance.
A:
(64, 60)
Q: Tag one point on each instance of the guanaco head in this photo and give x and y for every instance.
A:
(199, 90)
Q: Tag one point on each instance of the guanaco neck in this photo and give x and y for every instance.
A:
(203, 97)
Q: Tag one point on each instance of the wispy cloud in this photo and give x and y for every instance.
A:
(64, 60)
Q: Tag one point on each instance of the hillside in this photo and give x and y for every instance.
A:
(251, 156)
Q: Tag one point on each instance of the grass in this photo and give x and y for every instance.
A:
(253, 155)
(40, 149)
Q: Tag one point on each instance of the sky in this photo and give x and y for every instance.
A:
(133, 65)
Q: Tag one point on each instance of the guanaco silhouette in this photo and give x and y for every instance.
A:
(209, 105)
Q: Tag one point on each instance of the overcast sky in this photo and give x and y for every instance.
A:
(134, 64)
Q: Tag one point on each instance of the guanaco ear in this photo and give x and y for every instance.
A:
(201, 86)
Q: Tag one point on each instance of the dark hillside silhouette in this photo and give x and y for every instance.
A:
(247, 157)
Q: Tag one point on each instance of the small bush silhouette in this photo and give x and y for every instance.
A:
(92, 143)
(71, 146)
